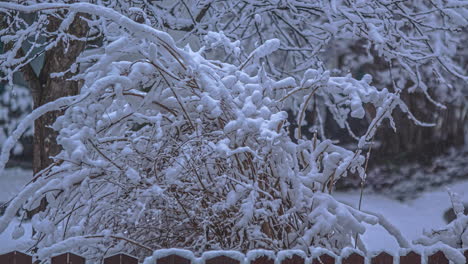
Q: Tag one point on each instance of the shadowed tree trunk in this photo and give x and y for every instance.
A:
(46, 89)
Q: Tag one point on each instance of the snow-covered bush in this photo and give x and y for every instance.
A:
(407, 45)
(455, 234)
(166, 148)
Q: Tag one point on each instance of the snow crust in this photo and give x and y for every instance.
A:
(257, 253)
(228, 253)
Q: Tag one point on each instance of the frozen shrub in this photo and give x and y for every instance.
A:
(164, 147)
(455, 234)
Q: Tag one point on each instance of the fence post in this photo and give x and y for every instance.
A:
(222, 260)
(15, 257)
(262, 260)
(260, 256)
(382, 258)
(410, 258)
(121, 259)
(68, 258)
(323, 258)
(172, 259)
(354, 258)
(437, 258)
(294, 259)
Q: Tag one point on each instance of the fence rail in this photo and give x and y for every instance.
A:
(177, 256)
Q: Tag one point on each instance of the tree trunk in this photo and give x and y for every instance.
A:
(46, 89)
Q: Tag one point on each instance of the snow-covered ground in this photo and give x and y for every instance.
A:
(11, 181)
(410, 217)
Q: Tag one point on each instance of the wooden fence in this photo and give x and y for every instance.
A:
(227, 257)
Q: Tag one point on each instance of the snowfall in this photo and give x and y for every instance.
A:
(411, 217)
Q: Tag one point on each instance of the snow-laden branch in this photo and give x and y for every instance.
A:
(28, 121)
(166, 148)
(97, 10)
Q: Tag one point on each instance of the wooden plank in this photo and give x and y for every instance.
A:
(173, 259)
(354, 258)
(324, 259)
(15, 257)
(68, 258)
(411, 258)
(263, 260)
(222, 260)
(121, 259)
(382, 258)
(437, 258)
(295, 259)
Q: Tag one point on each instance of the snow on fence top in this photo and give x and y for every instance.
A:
(322, 256)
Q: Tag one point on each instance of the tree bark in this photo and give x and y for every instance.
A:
(46, 89)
